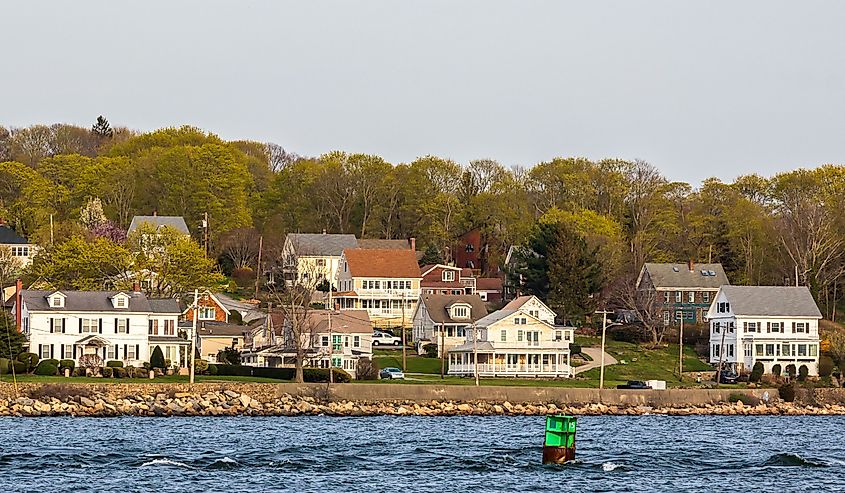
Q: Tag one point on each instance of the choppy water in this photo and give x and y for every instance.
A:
(443, 454)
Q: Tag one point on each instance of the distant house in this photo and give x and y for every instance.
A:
(176, 223)
(444, 319)
(379, 244)
(20, 248)
(310, 258)
(113, 325)
(210, 308)
(490, 289)
(775, 325)
(512, 286)
(684, 290)
(520, 340)
(213, 337)
(446, 279)
(385, 283)
(469, 251)
(339, 345)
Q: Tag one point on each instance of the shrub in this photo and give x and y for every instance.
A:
(47, 369)
(322, 375)
(633, 333)
(790, 371)
(803, 371)
(5, 366)
(229, 356)
(114, 363)
(787, 392)
(30, 359)
(574, 348)
(90, 361)
(430, 350)
(367, 369)
(212, 369)
(277, 373)
(118, 371)
(61, 391)
(756, 372)
(825, 366)
(141, 373)
(157, 358)
(107, 372)
(244, 276)
(776, 370)
(20, 367)
(78, 372)
(200, 366)
(234, 370)
(748, 400)
(67, 363)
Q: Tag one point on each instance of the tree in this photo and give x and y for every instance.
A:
(92, 216)
(229, 356)
(11, 341)
(299, 330)
(431, 256)
(83, 265)
(102, 129)
(645, 303)
(157, 358)
(240, 245)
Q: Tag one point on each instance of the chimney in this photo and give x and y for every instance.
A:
(155, 213)
(691, 266)
(413, 244)
(136, 287)
(18, 289)
(324, 230)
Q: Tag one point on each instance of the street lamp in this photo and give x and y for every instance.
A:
(604, 327)
(475, 351)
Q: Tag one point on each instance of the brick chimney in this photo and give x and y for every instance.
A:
(413, 244)
(18, 315)
(136, 287)
(691, 265)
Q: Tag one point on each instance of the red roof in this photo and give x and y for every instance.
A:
(382, 263)
(488, 284)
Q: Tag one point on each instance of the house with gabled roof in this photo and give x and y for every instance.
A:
(684, 290)
(18, 246)
(385, 283)
(520, 340)
(443, 319)
(311, 258)
(446, 279)
(177, 223)
(777, 326)
(209, 309)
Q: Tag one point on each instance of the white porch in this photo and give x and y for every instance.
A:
(526, 364)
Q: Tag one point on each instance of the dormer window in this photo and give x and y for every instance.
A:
(57, 300)
(120, 300)
(448, 275)
(460, 311)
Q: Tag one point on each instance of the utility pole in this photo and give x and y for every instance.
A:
(331, 350)
(603, 331)
(721, 354)
(258, 273)
(194, 336)
(404, 355)
(51, 230)
(442, 350)
(475, 352)
(205, 232)
(681, 351)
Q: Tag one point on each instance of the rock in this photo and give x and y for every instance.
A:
(86, 402)
(231, 394)
(245, 400)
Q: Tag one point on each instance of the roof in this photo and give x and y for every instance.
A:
(377, 244)
(223, 329)
(517, 303)
(382, 263)
(488, 284)
(175, 222)
(346, 321)
(8, 236)
(97, 301)
(680, 276)
(495, 317)
(772, 301)
(479, 346)
(437, 304)
(321, 244)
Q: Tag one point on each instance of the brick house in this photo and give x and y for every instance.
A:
(210, 309)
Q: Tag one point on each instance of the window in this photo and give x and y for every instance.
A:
(122, 326)
(337, 342)
(667, 297)
(20, 251)
(346, 341)
(679, 296)
(68, 352)
(678, 314)
(717, 326)
(206, 313)
(448, 275)
(90, 326)
(691, 297)
(336, 362)
(56, 302)
(758, 350)
(120, 302)
(130, 352)
(665, 318)
(802, 350)
(770, 349)
(518, 336)
(723, 307)
(324, 341)
(321, 262)
(504, 335)
(748, 350)
(731, 327)
(800, 327)
(751, 326)
(715, 350)
(520, 321)
(110, 352)
(460, 312)
(153, 328)
(56, 325)
(356, 341)
(705, 297)
(558, 335)
(814, 350)
(234, 342)
(730, 350)
(45, 351)
(169, 328)
(784, 350)
(775, 327)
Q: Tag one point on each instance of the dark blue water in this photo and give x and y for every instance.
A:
(384, 454)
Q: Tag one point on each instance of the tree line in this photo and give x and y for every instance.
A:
(764, 230)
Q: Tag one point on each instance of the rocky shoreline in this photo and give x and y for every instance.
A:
(231, 403)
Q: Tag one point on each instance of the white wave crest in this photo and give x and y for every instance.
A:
(609, 466)
(164, 462)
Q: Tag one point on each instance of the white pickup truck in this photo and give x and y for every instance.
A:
(384, 339)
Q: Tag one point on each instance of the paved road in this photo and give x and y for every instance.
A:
(595, 353)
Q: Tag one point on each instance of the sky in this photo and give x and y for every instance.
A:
(699, 89)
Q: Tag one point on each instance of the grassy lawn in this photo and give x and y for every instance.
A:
(416, 364)
(166, 379)
(640, 363)
(514, 382)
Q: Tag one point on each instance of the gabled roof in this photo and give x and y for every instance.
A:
(90, 301)
(205, 294)
(175, 222)
(218, 329)
(680, 275)
(321, 244)
(517, 303)
(344, 322)
(165, 305)
(378, 244)
(772, 301)
(382, 263)
(437, 306)
(424, 270)
(8, 236)
(488, 284)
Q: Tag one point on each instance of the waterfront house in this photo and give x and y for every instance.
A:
(446, 279)
(311, 258)
(444, 319)
(385, 283)
(683, 290)
(19, 248)
(112, 325)
(775, 325)
(520, 340)
(213, 337)
(209, 308)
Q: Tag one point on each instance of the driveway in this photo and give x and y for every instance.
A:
(595, 353)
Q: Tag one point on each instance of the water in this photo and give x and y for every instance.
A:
(383, 454)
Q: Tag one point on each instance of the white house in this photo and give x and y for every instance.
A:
(19, 248)
(520, 340)
(385, 283)
(310, 258)
(444, 319)
(114, 325)
(775, 325)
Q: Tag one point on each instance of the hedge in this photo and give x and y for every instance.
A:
(309, 374)
(67, 363)
(47, 368)
(114, 363)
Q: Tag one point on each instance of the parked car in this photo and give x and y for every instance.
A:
(384, 339)
(634, 384)
(391, 373)
(728, 376)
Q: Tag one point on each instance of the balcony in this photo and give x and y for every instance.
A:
(518, 370)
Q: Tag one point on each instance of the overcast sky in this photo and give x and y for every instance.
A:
(716, 88)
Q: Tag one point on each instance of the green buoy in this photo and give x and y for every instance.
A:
(559, 446)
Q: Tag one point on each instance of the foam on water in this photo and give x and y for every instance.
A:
(165, 462)
(609, 466)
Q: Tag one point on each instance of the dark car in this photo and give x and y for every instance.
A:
(634, 384)
(727, 376)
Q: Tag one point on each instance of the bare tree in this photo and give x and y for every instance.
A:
(646, 303)
(278, 157)
(241, 246)
(10, 265)
(299, 324)
(645, 184)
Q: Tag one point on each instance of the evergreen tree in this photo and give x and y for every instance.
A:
(431, 256)
(11, 341)
(102, 128)
(157, 358)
